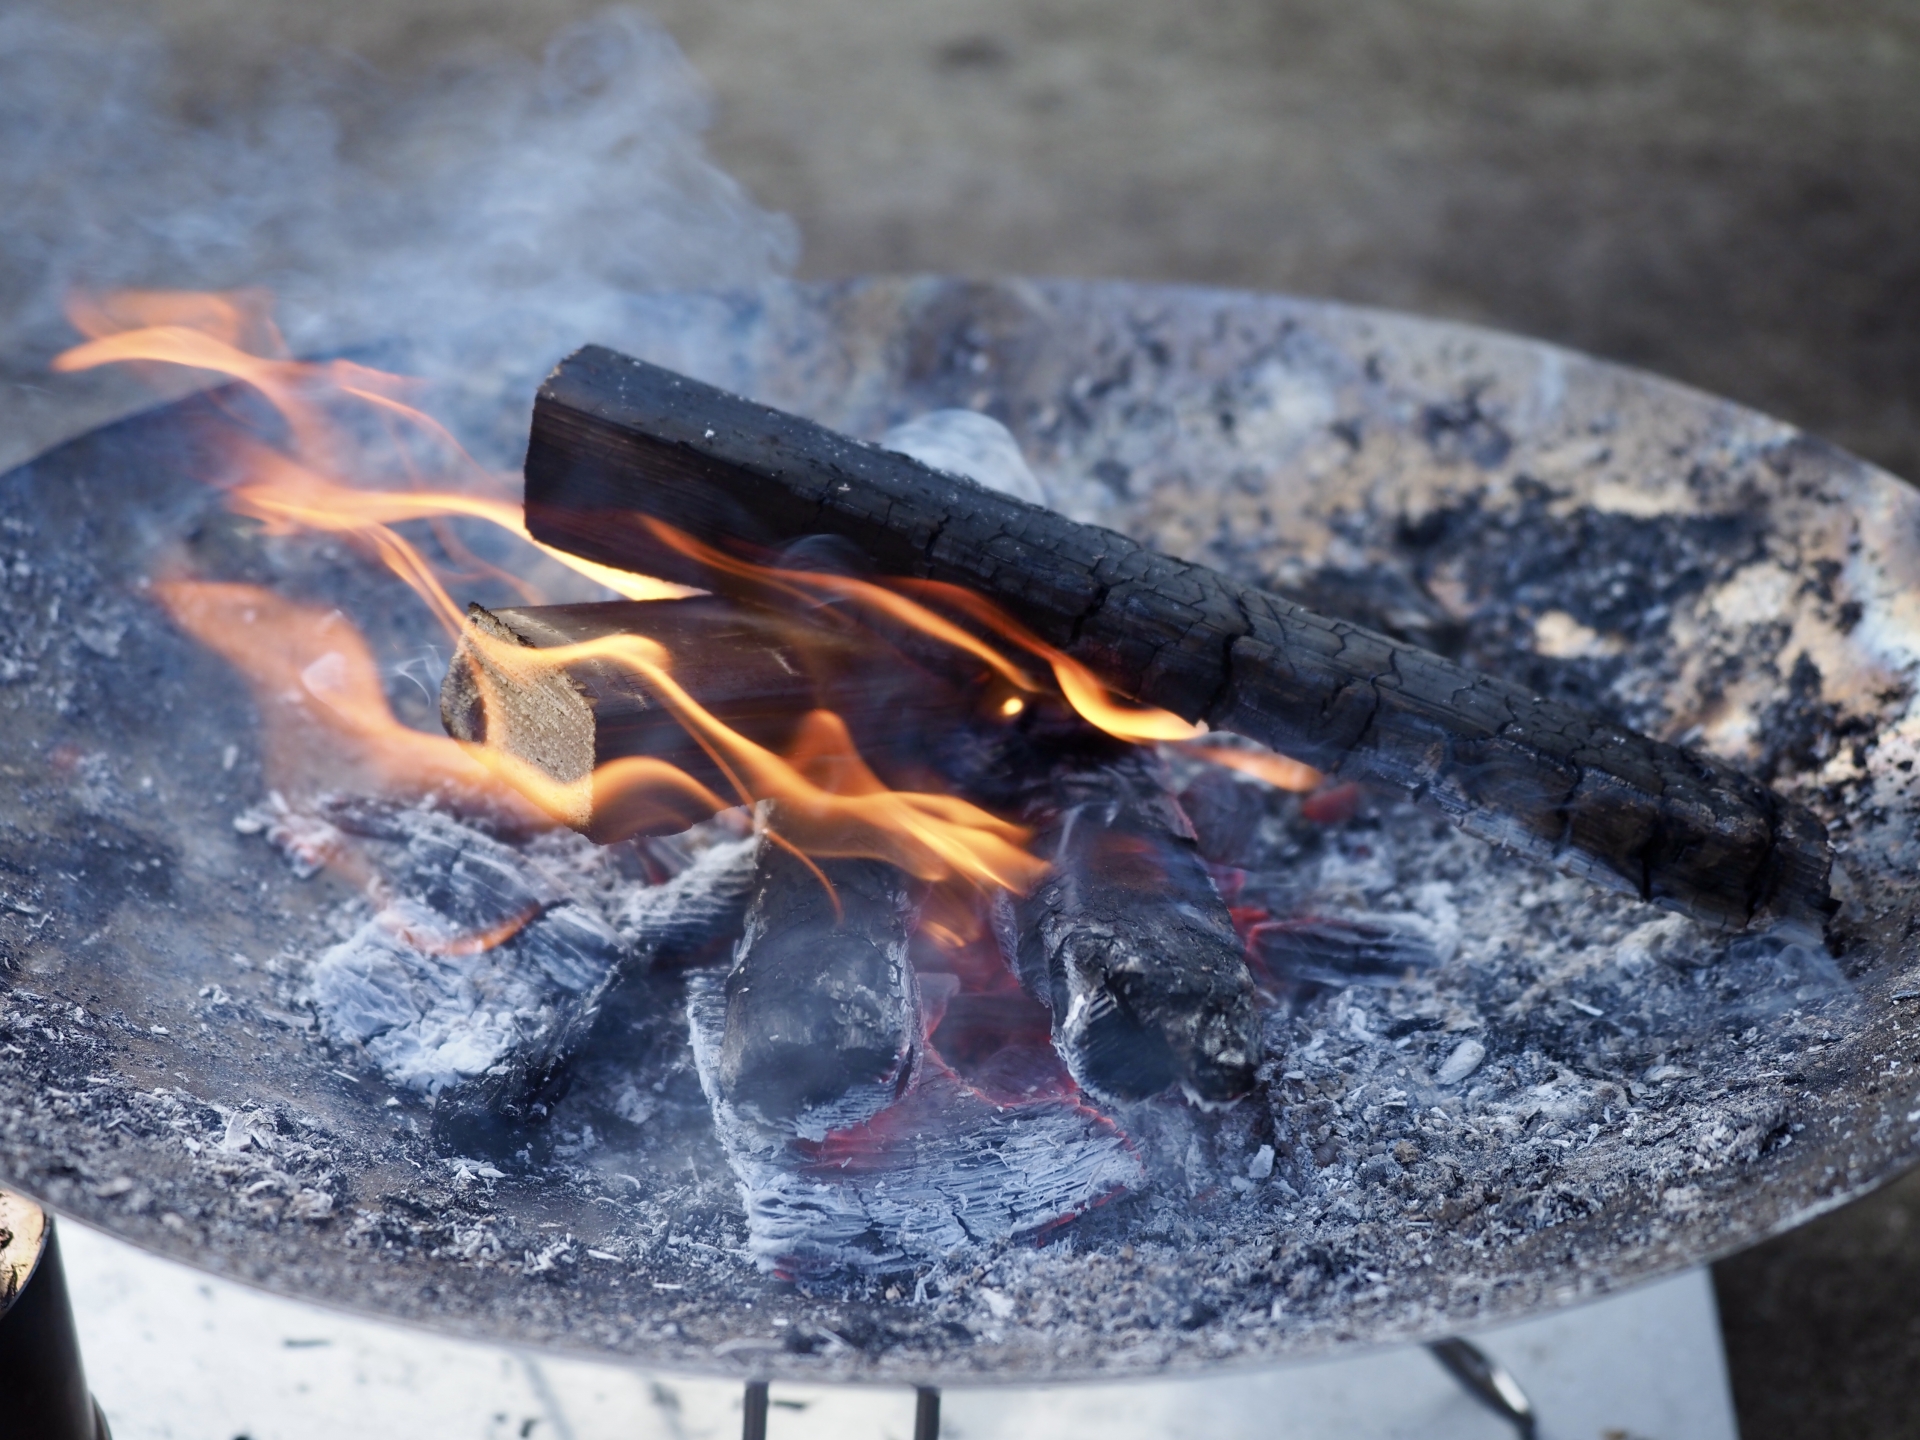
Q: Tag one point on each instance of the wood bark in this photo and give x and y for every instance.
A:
(615, 440)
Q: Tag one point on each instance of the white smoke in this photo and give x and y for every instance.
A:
(479, 224)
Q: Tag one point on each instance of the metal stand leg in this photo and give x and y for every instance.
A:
(754, 1407)
(43, 1390)
(926, 1413)
(1484, 1378)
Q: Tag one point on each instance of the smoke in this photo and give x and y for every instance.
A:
(477, 224)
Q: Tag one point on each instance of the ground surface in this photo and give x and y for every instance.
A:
(1727, 193)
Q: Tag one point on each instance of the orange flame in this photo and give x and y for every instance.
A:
(1093, 701)
(309, 667)
(1276, 770)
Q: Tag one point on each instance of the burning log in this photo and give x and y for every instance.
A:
(479, 979)
(757, 670)
(945, 1167)
(823, 1021)
(616, 443)
(1126, 940)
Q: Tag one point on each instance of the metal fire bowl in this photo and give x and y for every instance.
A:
(163, 1082)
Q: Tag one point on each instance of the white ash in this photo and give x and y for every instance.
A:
(1464, 1060)
(965, 442)
(414, 987)
(410, 987)
(307, 841)
(949, 1172)
(1613, 1049)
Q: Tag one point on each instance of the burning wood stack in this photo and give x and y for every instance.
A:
(843, 1051)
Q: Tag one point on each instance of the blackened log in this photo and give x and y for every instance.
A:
(503, 1113)
(615, 440)
(756, 670)
(1126, 940)
(823, 1021)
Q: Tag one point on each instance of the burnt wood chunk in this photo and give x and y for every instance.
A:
(502, 1113)
(615, 440)
(822, 1012)
(1127, 941)
(756, 670)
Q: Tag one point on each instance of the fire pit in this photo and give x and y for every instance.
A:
(1487, 1088)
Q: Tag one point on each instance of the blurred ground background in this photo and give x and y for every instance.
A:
(1727, 193)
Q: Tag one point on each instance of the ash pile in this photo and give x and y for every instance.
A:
(1420, 1034)
(1299, 1030)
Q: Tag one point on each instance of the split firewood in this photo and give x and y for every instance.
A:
(756, 669)
(617, 444)
(823, 1022)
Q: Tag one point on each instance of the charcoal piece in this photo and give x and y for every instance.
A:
(1225, 813)
(823, 1020)
(664, 924)
(943, 1169)
(616, 443)
(502, 1113)
(1127, 941)
(480, 976)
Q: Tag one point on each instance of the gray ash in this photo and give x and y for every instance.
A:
(1467, 1143)
(1454, 1040)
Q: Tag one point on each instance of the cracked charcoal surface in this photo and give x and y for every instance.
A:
(1466, 1145)
(490, 1034)
(822, 1016)
(933, 1178)
(1126, 940)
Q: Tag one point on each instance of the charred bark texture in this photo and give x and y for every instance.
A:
(822, 1013)
(615, 439)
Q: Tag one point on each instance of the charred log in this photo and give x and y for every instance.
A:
(945, 1167)
(823, 1021)
(479, 979)
(616, 441)
(1126, 940)
(502, 1113)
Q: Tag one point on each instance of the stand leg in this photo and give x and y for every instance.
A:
(43, 1389)
(754, 1409)
(1484, 1378)
(926, 1413)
